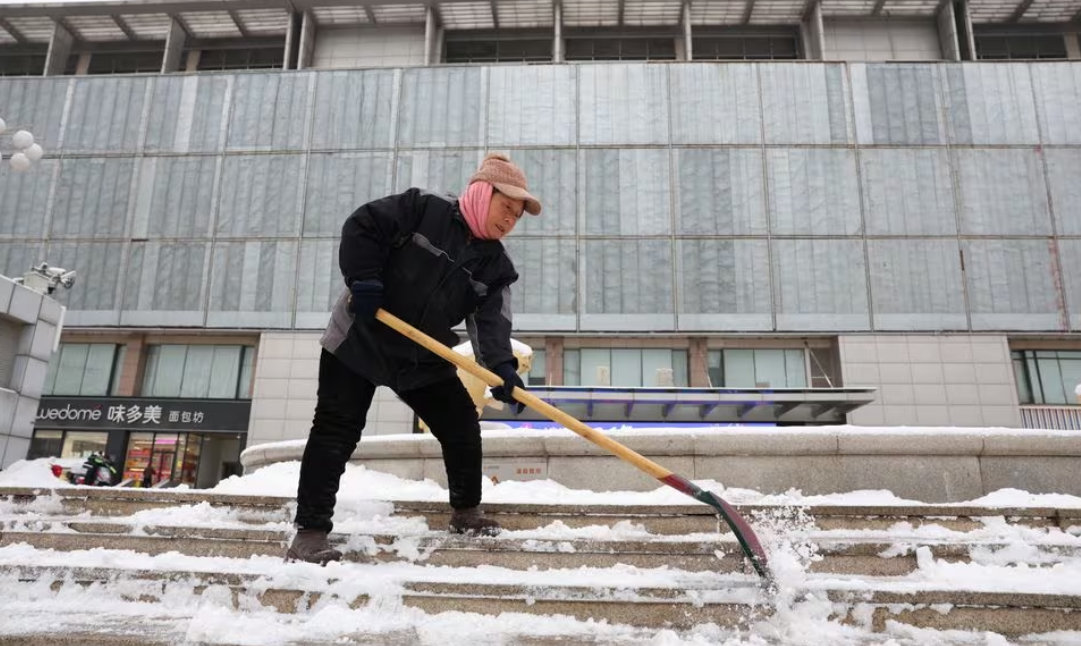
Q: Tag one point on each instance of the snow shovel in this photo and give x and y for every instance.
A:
(744, 534)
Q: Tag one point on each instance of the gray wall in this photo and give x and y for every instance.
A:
(29, 329)
(932, 380)
(681, 197)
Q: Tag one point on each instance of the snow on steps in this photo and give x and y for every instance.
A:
(872, 554)
(657, 519)
(238, 565)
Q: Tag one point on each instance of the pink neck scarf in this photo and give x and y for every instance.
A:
(474, 204)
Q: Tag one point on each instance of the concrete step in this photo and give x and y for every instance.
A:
(659, 519)
(726, 602)
(856, 554)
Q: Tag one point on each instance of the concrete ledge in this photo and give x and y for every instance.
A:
(910, 444)
(931, 465)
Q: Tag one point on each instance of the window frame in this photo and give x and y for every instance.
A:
(245, 370)
(572, 365)
(111, 382)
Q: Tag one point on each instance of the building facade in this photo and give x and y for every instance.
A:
(737, 194)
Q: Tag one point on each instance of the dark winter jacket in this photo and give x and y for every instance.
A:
(435, 274)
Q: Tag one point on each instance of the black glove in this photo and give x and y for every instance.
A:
(508, 372)
(365, 297)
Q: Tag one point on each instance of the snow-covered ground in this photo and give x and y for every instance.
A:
(1024, 559)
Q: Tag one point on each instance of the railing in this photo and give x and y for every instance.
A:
(1058, 418)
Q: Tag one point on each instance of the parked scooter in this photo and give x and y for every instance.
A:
(98, 471)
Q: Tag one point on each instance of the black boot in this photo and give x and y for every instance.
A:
(473, 523)
(312, 546)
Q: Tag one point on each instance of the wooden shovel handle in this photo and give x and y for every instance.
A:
(524, 396)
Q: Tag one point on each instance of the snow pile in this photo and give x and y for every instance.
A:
(36, 473)
(361, 483)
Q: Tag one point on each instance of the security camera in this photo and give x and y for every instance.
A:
(67, 279)
(45, 279)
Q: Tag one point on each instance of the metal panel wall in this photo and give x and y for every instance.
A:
(553, 175)
(338, 183)
(717, 105)
(1011, 285)
(24, 200)
(105, 115)
(820, 284)
(625, 192)
(724, 284)
(1064, 178)
(623, 104)
(898, 104)
(805, 104)
(355, 110)
(917, 285)
(908, 191)
(36, 104)
(166, 284)
(261, 196)
(720, 191)
(1003, 192)
(813, 192)
(99, 266)
(1057, 89)
(175, 197)
(189, 113)
(270, 112)
(92, 196)
(737, 196)
(991, 104)
(442, 108)
(532, 106)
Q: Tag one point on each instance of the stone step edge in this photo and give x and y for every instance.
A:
(827, 546)
(888, 592)
(272, 503)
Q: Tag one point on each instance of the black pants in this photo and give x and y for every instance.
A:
(344, 398)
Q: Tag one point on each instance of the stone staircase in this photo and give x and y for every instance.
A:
(859, 560)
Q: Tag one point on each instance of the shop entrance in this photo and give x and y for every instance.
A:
(220, 459)
(195, 459)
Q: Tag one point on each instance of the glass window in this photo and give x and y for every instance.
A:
(1020, 375)
(249, 58)
(572, 368)
(714, 369)
(199, 371)
(746, 47)
(46, 444)
(1020, 46)
(79, 444)
(18, 62)
(757, 368)
(1047, 376)
(84, 369)
(538, 370)
(124, 62)
(823, 368)
(625, 367)
(621, 49)
(140, 449)
(247, 366)
(499, 51)
(186, 469)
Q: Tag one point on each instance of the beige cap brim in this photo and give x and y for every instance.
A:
(532, 204)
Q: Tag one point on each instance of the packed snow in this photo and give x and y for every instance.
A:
(1018, 558)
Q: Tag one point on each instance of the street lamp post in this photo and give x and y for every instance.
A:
(26, 150)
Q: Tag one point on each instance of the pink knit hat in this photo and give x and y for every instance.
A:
(508, 179)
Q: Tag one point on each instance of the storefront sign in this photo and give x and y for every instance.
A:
(142, 414)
